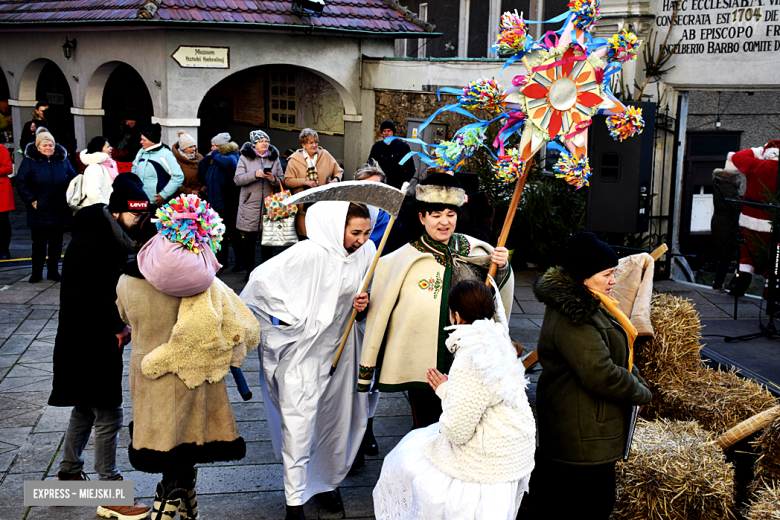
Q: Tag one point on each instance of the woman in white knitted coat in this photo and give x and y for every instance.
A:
(475, 462)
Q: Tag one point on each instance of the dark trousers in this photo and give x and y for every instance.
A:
(178, 476)
(720, 274)
(249, 245)
(233, 236)
(559, 491)
(41, 238)
(5, 231)
(426, 406)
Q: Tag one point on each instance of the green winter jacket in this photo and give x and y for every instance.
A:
(585, 391)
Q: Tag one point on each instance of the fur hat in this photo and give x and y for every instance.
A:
(220, 139)
(186, 140)
(256, 135)
(387, 125)
(153, 133)
(586, 255)
(441, 188)
(42, 134)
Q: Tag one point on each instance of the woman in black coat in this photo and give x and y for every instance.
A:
(42, 181)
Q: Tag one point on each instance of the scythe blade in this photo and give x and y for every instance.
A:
(374, 194)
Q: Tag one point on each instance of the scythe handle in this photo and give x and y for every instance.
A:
(510, 215)
(369, 275)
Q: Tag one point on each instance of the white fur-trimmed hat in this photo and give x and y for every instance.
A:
(441, 188)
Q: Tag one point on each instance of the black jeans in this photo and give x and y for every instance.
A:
(41, 237)
(560, 491)
(5, 231)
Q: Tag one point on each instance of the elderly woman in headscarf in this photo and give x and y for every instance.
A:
(42, 183)
(259, 174)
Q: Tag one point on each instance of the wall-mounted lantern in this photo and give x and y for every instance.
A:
(68, 47)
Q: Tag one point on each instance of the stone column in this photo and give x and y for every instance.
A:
(87, 123)
(353, 157)
(171, 127)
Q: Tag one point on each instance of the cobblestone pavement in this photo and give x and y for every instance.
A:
(31, 433)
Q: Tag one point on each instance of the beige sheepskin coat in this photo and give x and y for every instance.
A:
(181, 350)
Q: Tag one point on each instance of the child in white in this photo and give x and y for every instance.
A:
(475, 462)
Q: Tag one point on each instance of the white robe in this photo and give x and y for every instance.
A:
(316, 421)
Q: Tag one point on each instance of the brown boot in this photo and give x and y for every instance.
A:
(137, 511)
(72, 476)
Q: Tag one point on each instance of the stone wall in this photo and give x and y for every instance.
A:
(397, 106)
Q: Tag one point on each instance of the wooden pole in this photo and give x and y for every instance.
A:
(510, 215)
(364, 288)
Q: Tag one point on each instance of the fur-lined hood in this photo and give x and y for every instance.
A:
(181, 157)
(227, 149)
(558, 290)
(733, 176)
(248, 151)
(60, 154)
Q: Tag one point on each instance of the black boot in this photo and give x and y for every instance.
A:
(294, 513)
(359, 462)
(188, 508)
(166, 503)
(330, 500)
(369, 445)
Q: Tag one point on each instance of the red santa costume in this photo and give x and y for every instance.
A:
(759, 165)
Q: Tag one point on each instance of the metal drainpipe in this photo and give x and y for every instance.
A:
(682, 125)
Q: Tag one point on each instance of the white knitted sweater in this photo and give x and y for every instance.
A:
(488, 433)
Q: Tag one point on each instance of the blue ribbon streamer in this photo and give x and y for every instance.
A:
(561, 17)
(449, 108)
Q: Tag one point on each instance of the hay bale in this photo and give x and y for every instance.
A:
(683, 387)
(768, 445)
(715, 399)
(676, 471)
(765, 504)
(675, 347)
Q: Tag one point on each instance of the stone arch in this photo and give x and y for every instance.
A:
(228, 105)
(93, 96)
(28, 84)
(44, 80)
(347, 98)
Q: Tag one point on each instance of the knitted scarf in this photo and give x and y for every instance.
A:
(611, 305)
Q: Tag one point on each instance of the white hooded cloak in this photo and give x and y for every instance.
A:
(316, 421)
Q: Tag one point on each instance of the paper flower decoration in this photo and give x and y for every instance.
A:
(450, 154)
(627, 124)
(586, 13)
(512, 35)
(573, 170)
(190, 221)
(509, 167)
(561, 93)
(623, 47)
(483, 94)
